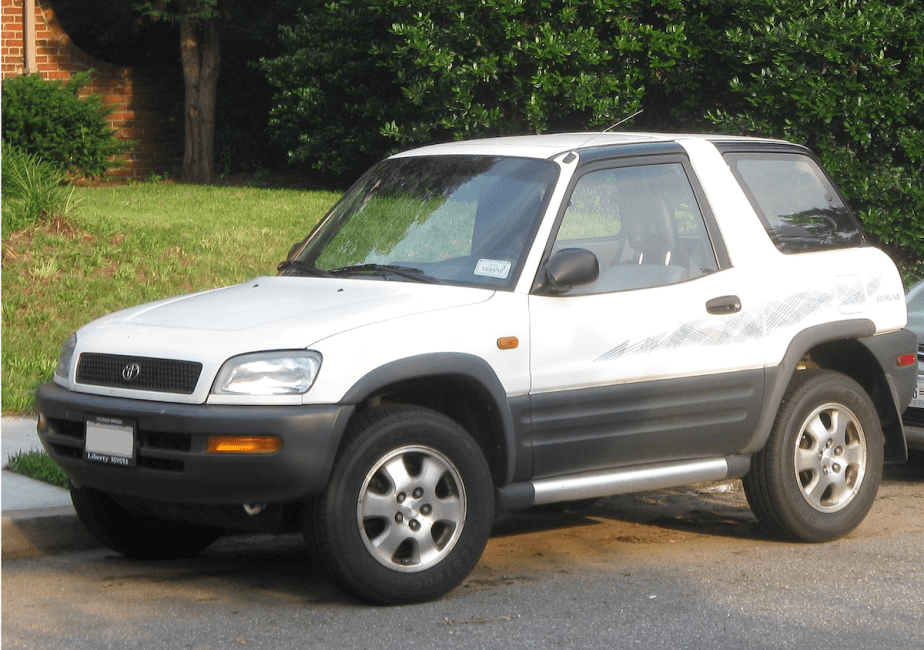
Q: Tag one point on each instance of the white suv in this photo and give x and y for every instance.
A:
(499, 324)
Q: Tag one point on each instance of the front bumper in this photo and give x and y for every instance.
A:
(171, 459)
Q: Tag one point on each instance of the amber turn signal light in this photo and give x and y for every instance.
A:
(508, 343)
(244, 444)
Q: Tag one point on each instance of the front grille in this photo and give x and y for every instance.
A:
(138, 373)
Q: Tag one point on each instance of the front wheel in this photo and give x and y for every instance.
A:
(408, 508)
(818, 475)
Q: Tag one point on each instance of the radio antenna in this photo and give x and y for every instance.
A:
(571, 155)
(624, 120)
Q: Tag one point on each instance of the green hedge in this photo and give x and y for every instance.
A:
(359, 80)
(50, 120)
(485, 68)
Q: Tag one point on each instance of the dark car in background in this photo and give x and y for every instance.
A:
(914, 416)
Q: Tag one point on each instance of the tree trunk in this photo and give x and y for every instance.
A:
(201, 55)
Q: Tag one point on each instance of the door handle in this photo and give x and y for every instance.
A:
(724, 305)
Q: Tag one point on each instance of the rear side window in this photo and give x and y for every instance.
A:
(796, 202)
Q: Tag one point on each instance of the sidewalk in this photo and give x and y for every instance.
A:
(38, 518)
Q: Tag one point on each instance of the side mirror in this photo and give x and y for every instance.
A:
(569, 268)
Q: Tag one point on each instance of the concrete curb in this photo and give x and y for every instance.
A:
(43, 531)
(37, 518)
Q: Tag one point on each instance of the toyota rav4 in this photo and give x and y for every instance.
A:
(492, 325)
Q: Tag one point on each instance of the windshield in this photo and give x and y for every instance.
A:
(463, 220)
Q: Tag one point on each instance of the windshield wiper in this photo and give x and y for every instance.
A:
(298, 267)
(385, 270)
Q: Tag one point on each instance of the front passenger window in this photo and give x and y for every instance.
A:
(644, 225)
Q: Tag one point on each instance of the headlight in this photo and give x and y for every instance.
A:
(63, 370)
(290, 372)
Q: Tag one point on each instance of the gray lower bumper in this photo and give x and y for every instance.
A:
(172, 463)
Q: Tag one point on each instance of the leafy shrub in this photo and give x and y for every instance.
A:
(33, 190)
(49, 119)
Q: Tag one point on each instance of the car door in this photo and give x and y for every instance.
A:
(661, 357)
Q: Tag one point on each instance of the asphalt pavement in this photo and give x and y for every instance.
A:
(38, 519)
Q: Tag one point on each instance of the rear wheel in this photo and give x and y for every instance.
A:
(408, 509)
(818, 475)
(135, 535)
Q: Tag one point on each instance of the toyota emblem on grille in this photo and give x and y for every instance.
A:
(131, 371)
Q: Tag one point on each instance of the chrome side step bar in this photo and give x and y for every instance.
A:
(625, 480)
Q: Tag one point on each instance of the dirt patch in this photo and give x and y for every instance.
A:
(20, 244)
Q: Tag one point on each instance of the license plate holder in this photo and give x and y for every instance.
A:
(110, 441)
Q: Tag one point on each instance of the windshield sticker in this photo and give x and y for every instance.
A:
(493, 268)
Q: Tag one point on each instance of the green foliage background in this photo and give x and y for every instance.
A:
(484, 68)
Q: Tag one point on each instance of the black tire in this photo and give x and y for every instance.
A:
(818, 475)
(408, 508)
(137, 536)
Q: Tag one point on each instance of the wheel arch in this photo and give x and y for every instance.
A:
(853, 349)
(461, 386)
(871, 362)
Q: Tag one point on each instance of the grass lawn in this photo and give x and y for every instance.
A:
(129, 244)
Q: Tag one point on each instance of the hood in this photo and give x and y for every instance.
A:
(267, 313)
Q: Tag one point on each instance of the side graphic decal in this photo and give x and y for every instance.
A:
(754, 324)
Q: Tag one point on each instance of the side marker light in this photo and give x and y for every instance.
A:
(906, 360)
(244, 444)
(508, 343)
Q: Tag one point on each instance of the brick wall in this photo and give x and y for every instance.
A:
(148, 102)
(12, 48)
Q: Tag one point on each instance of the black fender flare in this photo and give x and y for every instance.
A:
(447, 364)
(864, 332)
